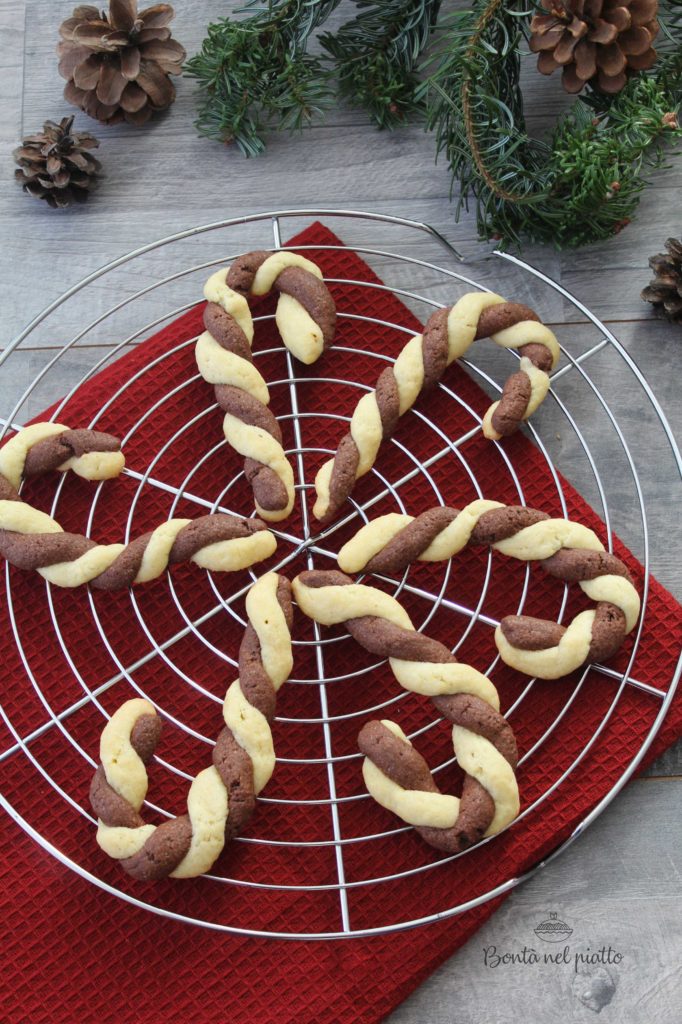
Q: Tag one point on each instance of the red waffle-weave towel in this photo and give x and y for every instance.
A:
(73, 952)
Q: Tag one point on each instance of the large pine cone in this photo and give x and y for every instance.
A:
(56, 164)
(664, 291)
(596, 41)
(118, 65)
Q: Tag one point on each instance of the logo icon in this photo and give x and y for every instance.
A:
(553, 930)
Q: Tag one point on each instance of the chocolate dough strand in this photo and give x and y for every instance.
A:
(396, 775)
(306, 319)
(564, 549)
(420, 364)
(222, 797)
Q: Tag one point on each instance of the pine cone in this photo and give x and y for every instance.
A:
(596, 41)
(664, 291)
(56, 165)
(118, 66)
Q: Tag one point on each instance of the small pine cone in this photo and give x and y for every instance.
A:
(664, 291)
(595, 41)
(56, 164)
(118, 66)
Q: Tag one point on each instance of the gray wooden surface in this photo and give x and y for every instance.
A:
(620, 885)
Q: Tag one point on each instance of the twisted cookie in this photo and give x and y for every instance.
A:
(306, 318)
(569, 551)
(33, 540)
(420, 364)
(306, 314)
(43, 447)
(395, 774)
(221, 798)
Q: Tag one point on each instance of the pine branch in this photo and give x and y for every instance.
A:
(475, 107)
(255, 75)
(583, 186)
(376, 56)
(602, 162)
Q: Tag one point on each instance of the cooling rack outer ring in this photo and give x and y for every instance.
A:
(273, 219)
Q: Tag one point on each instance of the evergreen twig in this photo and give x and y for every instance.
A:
(377, 53)
(256, 74)
(585, 184)
(581, 185)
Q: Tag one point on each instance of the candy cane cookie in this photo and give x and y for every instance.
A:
(43, 447)
(222, 797)
(566, 550)
(306, 319)
(396, 775)
(306, 314)
(420, 364)
(34, 541)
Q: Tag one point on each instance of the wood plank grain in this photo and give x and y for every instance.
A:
(620, 886)
(12, 33)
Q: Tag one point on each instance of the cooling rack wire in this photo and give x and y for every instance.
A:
(316, 549)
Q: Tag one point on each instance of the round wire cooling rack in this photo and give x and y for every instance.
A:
(322, 864)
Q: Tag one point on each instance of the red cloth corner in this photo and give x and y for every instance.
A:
(74, 952)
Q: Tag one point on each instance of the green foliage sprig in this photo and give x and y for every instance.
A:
(377, 54)
(581, 186)
(256, 74)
